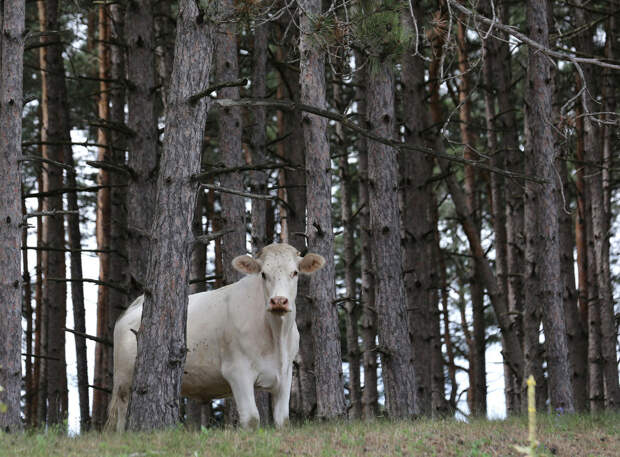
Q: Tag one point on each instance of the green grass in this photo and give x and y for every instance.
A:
(570, 436)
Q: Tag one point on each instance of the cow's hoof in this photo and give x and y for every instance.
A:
(253, 423)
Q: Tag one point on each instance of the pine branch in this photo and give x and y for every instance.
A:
(93, 281)
(68, 190)
(239, 82)
(41, 159)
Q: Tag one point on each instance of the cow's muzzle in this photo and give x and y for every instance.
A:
(279, 305)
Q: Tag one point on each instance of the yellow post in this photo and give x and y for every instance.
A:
(531, 412)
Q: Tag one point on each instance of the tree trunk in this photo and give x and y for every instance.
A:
(515, 241)
(600, 227)
(12, 23)
(118, 180)
(198, 270)
(543, 287)
(351, 305)
(395, 346)
(294, 225)
(104, 217)
(417, 222)
(54, 292)
(258, 179)
(143, 158)
(154, 398)
(319, 231)
(368, 321)
(231, 152)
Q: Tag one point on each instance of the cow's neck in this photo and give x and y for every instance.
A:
(281, 329)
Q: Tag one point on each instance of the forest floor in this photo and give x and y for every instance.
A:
(570, 436)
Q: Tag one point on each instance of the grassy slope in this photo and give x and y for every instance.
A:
(562, 436)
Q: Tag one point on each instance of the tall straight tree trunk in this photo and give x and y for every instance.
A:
(40, 380)
(417, 222)
(154, 398)
(395, 347)
(143, 159)
(543, 286)
(319, 231)
(294, 226)
(198, 269)
(368, 321)
(507, 125)
(600, 226)
(575, 332)
(259, 179)
(117, 298)
(231, 155)
(54, 287)
(231, 152)
(104, 154)
(351, 305)
(12, 24)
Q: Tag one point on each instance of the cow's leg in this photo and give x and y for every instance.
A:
(242, 386)
(281, 399)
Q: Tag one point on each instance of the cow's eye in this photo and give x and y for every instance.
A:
(264, 275)
(294, 273)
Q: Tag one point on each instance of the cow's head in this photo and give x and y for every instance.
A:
(279, 266)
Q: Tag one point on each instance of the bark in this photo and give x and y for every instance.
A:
(319, 230)
(231, 153)
(368, 320)
(54, 292)
(515, 241)
(118, 201)
(40, 384)
(294, 227)
(543, 282)
(143, 158)
(154, 398)
(104, 154)
(351, 305)
(12, 24)
(575, 331)
(394, 344)
(77, 287)
(600, 225)
(198, 269)
(258, 179)
(417, 222)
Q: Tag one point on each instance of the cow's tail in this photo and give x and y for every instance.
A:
(115, 410)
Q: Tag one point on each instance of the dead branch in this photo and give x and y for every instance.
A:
(109, 166)
(194, 98)
(89, 337)
(52, 213)
(206, 239)
(93, 281)
(68, 190)
(289, 105)
(41, 159)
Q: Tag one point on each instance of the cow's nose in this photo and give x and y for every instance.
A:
(278, 301)
(279, 305)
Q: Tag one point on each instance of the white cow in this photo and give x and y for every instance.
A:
(238, 337)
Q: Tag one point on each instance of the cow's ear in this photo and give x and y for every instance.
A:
(246, 264)
(310, 263)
